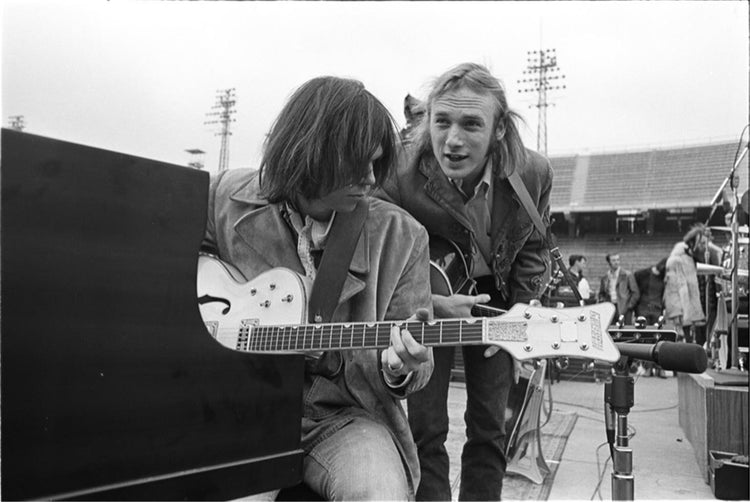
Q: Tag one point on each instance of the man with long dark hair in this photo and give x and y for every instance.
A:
(331, 144)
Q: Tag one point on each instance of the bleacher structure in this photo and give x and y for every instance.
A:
(638, 203)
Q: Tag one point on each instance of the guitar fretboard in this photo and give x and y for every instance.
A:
(480, 310)
(342, 336)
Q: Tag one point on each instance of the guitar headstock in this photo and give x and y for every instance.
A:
(528, 332)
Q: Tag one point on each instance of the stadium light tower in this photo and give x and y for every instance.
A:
(225, 101)
(16, 122)
(543, 76)
(196, 155)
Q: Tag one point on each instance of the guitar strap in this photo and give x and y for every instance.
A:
(546, 231)
(334, 264)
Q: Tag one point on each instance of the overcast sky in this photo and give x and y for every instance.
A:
(140, 77)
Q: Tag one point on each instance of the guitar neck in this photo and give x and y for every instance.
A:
(479, 310)
(343, 336)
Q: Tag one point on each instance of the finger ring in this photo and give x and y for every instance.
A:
(390, 367)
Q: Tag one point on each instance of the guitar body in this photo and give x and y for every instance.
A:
(226, 300)
(449, 272)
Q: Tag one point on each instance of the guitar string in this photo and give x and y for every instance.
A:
(280, 336)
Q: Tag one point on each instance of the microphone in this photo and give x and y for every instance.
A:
(684, 357)
(706, 269)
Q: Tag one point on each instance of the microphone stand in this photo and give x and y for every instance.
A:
(619, 398)
(734, 231)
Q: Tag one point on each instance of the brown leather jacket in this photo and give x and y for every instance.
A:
(520, 259)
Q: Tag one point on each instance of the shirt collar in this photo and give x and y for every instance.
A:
(316, 231)
(483, 187)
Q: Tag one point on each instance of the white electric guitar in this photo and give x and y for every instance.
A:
(269, 313)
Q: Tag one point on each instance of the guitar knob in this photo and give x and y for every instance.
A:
(272, 286)
(253, 291)
(265, 304)
(288, 298)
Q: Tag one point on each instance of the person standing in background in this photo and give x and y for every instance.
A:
(618, 286)
(682, 298)
(650, 304)
(577, 265)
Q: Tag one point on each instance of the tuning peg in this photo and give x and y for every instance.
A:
(660, 322)
(620, 321)
(640, 322)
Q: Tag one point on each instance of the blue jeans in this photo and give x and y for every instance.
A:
(360, 461)
(483, 461)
